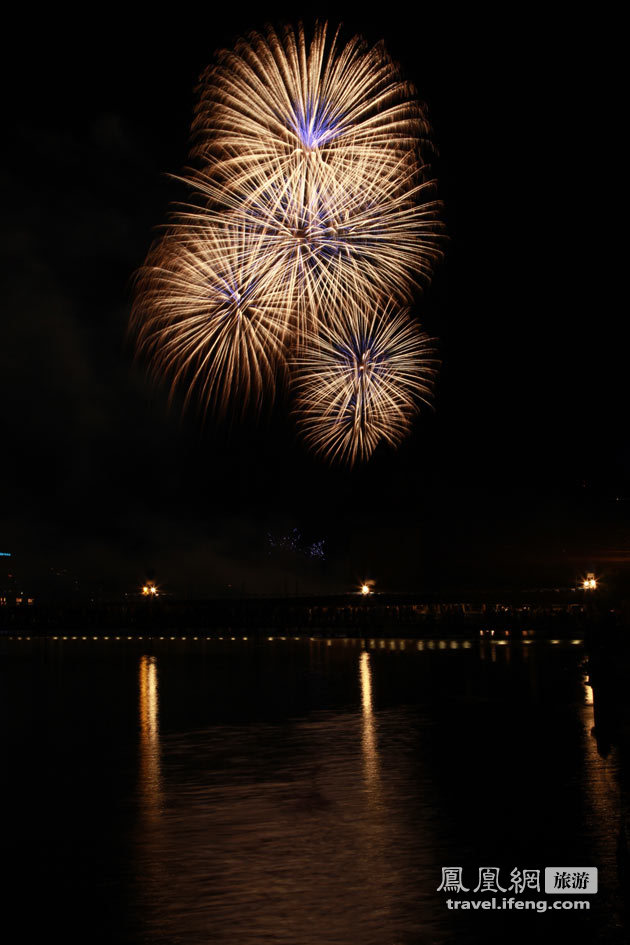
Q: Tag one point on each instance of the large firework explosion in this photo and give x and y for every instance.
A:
(312, 217)
(334, 231)
(276, 97)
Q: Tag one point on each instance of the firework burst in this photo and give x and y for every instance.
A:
(312, 219)
(207, 316)
(324, 235)
(362, 380)
(278, 97)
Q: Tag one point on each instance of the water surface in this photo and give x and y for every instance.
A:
(299, 792)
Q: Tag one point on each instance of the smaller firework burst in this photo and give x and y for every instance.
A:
(362, 380)
(208, 317)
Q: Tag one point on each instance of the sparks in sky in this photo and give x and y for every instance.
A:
(277, 96)
(312, 219)
(333, 232)
(361, 382)
(207, 318)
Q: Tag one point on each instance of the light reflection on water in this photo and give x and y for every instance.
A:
(149, 760)
(310, 792)
(303, 834)
(370, 751)
(284, 835)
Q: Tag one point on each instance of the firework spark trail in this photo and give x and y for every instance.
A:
(208, 317)
(312, 218)
(327, 233)
(278, 96)
(361, 380)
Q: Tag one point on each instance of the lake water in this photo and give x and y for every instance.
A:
(302, 792)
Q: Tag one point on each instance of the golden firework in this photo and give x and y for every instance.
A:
(312, 219)
(362, 380)
(208, 317)
(277, 97)
(329, 232)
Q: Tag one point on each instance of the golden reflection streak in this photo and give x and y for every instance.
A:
(368, 740)
(150, 761)
(602, 790)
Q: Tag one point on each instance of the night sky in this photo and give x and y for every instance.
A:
(518, 478)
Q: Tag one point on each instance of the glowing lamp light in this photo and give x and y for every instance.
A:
(590, 582)
(149, 590)
(365, 590)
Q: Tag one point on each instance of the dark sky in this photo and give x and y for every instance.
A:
(521, 474)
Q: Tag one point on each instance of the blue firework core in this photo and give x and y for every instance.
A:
(314, 124)
(361, 356)
(236, 297)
